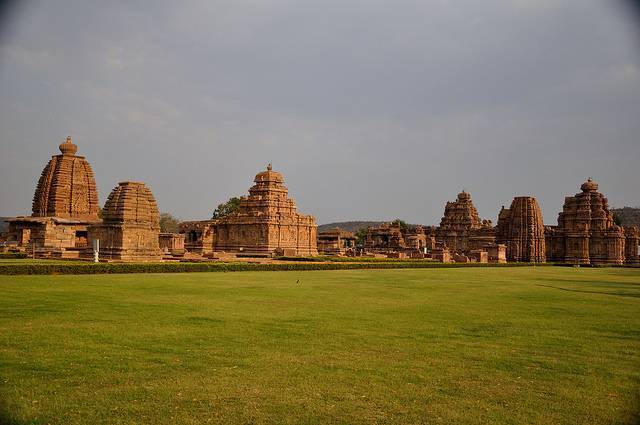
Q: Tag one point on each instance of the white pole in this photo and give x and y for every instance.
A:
(96, 250)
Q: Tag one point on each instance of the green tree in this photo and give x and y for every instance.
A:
(403, 224)
(361, 235)
(168, 223)
(227, 208)
(617, 219)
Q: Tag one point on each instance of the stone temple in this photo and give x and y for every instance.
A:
(392, 238)
(130, 227)
(64, 223)
(65, 203)
(521, 229)
(336, 242)
(461, 229)
(586, 232)
(266, 224)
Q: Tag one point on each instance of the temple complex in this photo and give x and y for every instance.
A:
(65, 203)
(64, 223)
(130, 225)
(586, 233)
(336, 242)
(521, 229)
(461, 229)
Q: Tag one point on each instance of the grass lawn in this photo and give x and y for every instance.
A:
(545, 345)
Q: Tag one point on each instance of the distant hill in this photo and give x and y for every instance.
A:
(349, 226)
(628, 215)
(352, 226)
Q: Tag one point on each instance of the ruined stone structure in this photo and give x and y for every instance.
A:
(384, 238)
(497, 253)
(171, 243)
(442, 254)
(521, 229)
(131, 225)
(336, 242)
(586, 233)
(199, 236)
(416, 238)
(632, 245)
(461, 229)
(65, 203)
(267, 222)
(393, 238)
(479, 256)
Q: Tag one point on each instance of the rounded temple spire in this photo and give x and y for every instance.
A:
(589, 186)
(68, 147)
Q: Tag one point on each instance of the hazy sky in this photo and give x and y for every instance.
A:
(370, 109)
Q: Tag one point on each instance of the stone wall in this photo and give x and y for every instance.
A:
(171, 243)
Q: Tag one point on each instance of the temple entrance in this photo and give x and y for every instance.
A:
(81, 239)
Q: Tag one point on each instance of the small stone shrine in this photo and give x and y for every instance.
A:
(130, 225)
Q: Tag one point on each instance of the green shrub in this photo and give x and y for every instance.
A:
(106, 268)
(12, 255)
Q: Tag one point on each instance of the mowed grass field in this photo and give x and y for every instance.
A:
(545, 345)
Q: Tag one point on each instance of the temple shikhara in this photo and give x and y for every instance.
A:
(65, 223)
(65, 204)
(520, 228)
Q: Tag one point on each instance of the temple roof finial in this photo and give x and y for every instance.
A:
(68, 148)
(269, 167)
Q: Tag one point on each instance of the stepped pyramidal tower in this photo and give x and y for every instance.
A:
(586, 232)
(267, 222)
(461, 229)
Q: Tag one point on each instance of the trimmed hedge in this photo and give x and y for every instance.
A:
(12, 255)
(336, 259)
(108, 268)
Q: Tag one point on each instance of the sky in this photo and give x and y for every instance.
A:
(372, 110)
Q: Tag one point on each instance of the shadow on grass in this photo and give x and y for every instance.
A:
(8, 418)
(617, 294)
